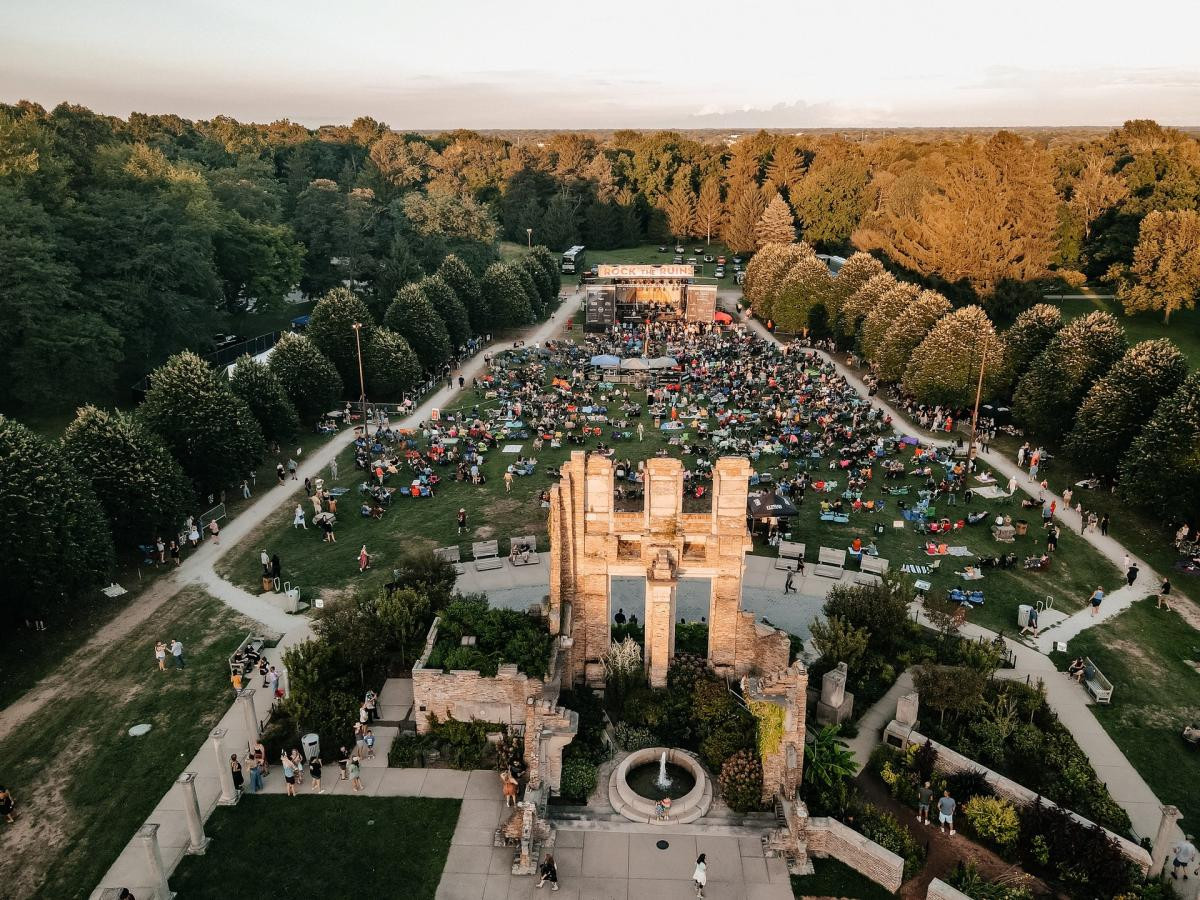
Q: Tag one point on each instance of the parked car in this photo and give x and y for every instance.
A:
(691, 260)
(662, 249)
(720, 260)
(679, 251)
(699, 251)
(677, 260)
(220, 340)
(737, 260)
(708, 257)
(300, 323)
(720, 273)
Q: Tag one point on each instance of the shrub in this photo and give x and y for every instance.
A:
(720, 745)
(408, 751)
(589, 743)
(691, 637)
(993, 820)
(502, 636)
(741, 782)
(966, 878)
(883, 829)
(463, 744)
(1086, 859)
(634, 737)
(965, 785)
(578, 779)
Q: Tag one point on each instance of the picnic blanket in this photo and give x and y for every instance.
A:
(989, 492)
(914, 569)
(959, 551)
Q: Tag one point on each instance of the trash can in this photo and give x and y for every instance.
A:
(312, 746)
(1023, 612)
(1022, 527)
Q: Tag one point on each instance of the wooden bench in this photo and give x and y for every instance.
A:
(452, 556)
(487, 555)
(530, 558)
(870, 569)
(1093, 679)
(831, 563)
(790, 554)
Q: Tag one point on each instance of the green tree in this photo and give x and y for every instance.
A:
(828, 759)
(547, 293)
(258, 262)
(392, 367)
(465, 285)
(1029, 335)
(949, 689)
(139, 484)
(309, 379)
(680, 208)
(1119, 404)
(57, 546)
(945, 366)
(837, 641)
(207, 427)
(802, 295)
(412, 316)
(745, 208)
(264, 393)
(447, 305)
(890, 306)
(549, 265)
(406, 617)
(1048, 395)
(520, 268)
(860, 303)
(1161, 469)
(710, 210)
(1165, 275)
(766, 272)
(906, 332)
(854, 274)
(504, 294)
(776, 225)
(831, 199)
(331, 329)
(560, 224)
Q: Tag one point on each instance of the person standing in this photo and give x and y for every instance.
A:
(272, 682)
(549, 872)
(245, 489)
(508, 480)
(256, 777)
(372, 703)
(1164, 592)
(641, 430)
(355, 773)
(235, 766)
(364, 560)
(1184, 854)
(462, 520)
(333, 469)
(289, 773)
(314, 772)
(265, 561)
(946, 807)
(308, 488)
(1096, 599)
(276, 566)
(215, 530)
(924, 800)
(177, 652)
(160, 654)
(1131, 574)
(291, 467)
(279, 473)
(175, 555)
(343, 762)
(1104, 524)
(298, 518)
(160, 550)
(8, 806)
(700, 874)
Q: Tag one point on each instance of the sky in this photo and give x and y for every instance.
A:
(536, 64)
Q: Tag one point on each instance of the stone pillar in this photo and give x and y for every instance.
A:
(836, 702)
(730, 542)
(1164, 840)
(907, 708)
(661, 585)
(229, 794)
(191, 806)
(148, 834)
(249, 716)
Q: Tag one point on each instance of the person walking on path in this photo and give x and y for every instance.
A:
(160, 654)
(1096, 599)
(700, 874)
(946, 807)
(343, 762)
(364, 560)
(235, 766)
(355, 773)
(333, 470)
(549, 872)
(1164, 593)
(1104, 525)
(314, 772)
(924, 801)
(291, 467)
(215, 530)
(788, 585)
(289, 773)
(1183, 855)
(8, 806)
(462, 520)
(508, 480)
(177, 652)
(1131, 574)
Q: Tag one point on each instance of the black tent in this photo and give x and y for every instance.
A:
(766, 506)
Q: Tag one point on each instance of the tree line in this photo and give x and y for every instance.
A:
(1131, 413)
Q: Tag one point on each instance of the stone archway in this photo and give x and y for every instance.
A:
(590, 542)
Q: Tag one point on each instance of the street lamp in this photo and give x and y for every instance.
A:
(362, 385)
(529, 237)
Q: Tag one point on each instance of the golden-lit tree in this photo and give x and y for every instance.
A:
(680, 207)
(777, 225)
(1096, 190)
(1165, 275)
(855, 272)
(745, 207)
(710, 210)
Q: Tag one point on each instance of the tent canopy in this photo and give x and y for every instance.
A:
(765, 506)
(606, 361)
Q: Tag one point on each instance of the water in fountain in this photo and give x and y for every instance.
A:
(663, 781)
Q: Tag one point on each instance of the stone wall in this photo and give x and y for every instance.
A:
(829, 837)
(466, 694)
(783, 769)
(950, 761)
(939, 890)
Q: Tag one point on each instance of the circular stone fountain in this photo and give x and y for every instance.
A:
(636, 785)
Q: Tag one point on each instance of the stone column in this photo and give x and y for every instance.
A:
(229, 794)
(191, 807)
(148, 834)
(729, 544)
(249, 716)
(1164, 840)
(660, 619)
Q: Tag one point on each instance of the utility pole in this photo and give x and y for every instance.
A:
(975, 413)
(529, 238)
(362, 385)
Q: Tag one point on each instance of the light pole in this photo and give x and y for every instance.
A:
(975, 413)
(362, 385)
(529, 238)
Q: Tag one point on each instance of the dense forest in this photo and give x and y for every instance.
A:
(123, 241)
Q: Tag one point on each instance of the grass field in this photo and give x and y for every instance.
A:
(1144, 653)
(1183, 329)
(82, 784)
(421, 524)
(831, 878)
(336, 848)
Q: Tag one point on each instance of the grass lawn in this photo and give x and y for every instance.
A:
(82, 784)
(831, 878)
(1155, 694)
(337, 848)
(1183, 329)
(414, 524)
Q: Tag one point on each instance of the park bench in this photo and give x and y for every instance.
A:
(831, 563)
(487, 555)
(790, 554)
(254, 642)
(530, 558)
(1093, 679)
(452, 556)
(870, 569)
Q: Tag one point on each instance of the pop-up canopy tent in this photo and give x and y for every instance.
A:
(606, 361)
(768, 506)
